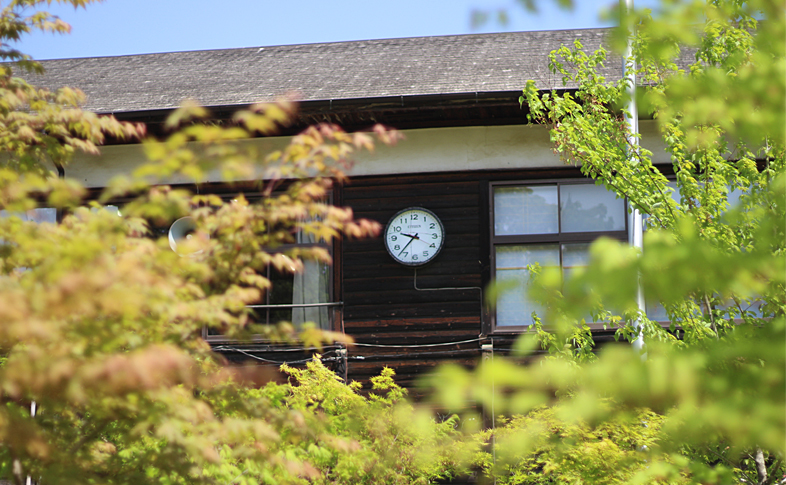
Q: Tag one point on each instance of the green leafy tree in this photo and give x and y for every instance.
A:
(100, 321)
(714, 377)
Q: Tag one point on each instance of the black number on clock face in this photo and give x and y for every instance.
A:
(415, 249)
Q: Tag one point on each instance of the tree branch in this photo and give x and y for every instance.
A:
(712, 318)
(761, 467)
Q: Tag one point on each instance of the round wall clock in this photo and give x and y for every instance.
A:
(414, 236)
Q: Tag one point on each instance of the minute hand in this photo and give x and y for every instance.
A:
(410, 242)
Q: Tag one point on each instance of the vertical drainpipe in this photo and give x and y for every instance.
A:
(636, 225)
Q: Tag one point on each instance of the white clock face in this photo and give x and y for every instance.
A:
(414, 236)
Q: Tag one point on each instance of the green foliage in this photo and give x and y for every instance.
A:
(706, 403)
(542, 448)
(101, 322)
(727, 395)
(355, 439)
(709, 161)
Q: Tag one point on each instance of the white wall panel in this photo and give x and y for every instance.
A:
(424, 150)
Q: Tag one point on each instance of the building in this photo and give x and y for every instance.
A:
(470, 157)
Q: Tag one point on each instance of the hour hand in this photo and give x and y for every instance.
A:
(415, 236)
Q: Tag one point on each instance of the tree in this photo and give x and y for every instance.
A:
(105, 377)
(715, 377)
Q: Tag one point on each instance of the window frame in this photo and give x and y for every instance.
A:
(559, 238)
(335, 308)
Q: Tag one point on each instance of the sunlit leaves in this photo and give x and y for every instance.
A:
(102, 322)
(707, 400)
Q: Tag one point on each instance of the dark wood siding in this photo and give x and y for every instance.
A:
(399, 326)
(382, 307)
(393, 323)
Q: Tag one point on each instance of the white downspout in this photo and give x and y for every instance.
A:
(635, 222)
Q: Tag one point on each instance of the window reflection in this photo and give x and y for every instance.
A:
(590, 208)
(552, 225)
(525, 210)
(514, 307)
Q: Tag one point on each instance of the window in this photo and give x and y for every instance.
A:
(656, 312)
(551, 224)
(298, 298)
(38, 216)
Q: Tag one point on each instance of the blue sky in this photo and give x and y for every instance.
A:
(119, 27)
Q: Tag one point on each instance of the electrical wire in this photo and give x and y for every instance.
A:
(262, 359)
(419, 354)
(414, 346)
(220, 348)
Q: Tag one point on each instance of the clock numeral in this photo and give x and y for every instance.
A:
(433, 235)
(414, 217)
(397, 228)
(432, 226)
(394, 238)
(414, 257)
(402, 220)
(405, 254)
(396, 247)
(425, 254)
(432, 245)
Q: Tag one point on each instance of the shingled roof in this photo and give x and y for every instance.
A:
(420, 66)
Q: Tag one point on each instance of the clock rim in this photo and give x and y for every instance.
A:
(414, 263)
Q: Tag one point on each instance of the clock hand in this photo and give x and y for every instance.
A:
(410, 235)
(410, 242)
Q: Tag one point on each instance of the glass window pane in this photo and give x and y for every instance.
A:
(590, 208)
(734, 197)
(574, 256)
(312, 286)
(280, 294)
(514, 306)
(525, 210)
(35, 215)
(656, 312)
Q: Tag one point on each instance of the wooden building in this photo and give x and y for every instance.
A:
(469, 156)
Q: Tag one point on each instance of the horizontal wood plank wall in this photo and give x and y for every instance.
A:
(382, 306)
(383, 309)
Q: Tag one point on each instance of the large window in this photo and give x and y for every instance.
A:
(551, 224)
